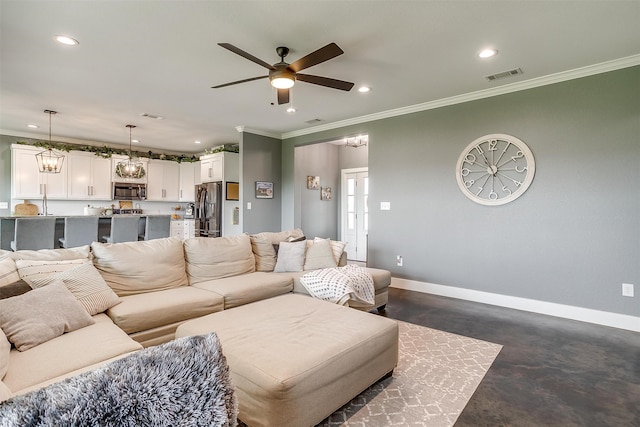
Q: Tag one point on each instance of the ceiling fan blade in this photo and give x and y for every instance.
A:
(283, 96)
(325, 81)
(246, 55)
(239, 81)
(314, 58)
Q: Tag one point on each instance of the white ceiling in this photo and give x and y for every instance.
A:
(161, 57)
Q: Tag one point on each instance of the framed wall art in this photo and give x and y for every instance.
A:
(313, 182)
(325, 193)
(264, 190)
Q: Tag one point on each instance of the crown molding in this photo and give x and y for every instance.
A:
(241, 129)
(577, 73)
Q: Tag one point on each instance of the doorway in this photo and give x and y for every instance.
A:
(355, 212)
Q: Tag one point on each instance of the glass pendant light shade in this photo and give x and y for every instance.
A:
(50, 161)
(132, 167)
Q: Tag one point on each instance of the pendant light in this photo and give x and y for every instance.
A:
(132, 167)
(50, 161)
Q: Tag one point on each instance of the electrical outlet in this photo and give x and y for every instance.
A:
(627, 290)
(4, 205)
(399, 260)
(385, 206)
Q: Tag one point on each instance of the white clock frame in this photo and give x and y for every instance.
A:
(502, 162)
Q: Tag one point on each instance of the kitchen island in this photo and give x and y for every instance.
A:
(7, 227)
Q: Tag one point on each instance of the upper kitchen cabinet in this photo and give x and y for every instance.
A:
(28, 183)
(89, 176)
(163, 183)
(188, 181)
(222, 166)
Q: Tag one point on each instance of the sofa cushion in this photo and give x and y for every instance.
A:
(262, 246)
(41, 315)
(247, 288)
(52, 254)
(208, 258)
(291, 256)
(152, 309)
(86, 284)
(137, 267)
(319, 255)
(67, 353)
(8, 272)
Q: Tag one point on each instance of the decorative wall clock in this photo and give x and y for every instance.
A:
(495, 169)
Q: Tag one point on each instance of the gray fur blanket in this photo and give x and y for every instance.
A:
(181, 383)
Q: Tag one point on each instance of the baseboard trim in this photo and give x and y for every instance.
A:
(588, 315)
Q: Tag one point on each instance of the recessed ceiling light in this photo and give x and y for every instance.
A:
(364, 89)
(67, 40)
(488, 53)
(291, 110)
(197, 142)
(134, 140)
(33, 126)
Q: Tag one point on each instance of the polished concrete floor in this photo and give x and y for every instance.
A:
(550, 372)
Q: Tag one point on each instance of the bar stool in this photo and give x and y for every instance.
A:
(34, 233)
(124, 228)
(79, 231)
(156, 227)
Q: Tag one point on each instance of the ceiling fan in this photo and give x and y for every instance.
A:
(283, 75)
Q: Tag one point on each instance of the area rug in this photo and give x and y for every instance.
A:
(437, 374)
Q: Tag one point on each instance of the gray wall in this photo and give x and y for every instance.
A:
(352, 157)
(318, 218)
(572, 238)
(261, 161)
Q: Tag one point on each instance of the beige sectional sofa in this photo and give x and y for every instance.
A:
(159, 284)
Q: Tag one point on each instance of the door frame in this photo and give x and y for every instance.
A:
(343, 199)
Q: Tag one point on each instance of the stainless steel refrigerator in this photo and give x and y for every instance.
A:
(208, 209)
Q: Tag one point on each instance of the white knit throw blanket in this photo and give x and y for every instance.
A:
(341, 284)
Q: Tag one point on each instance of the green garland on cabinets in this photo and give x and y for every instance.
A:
(107, 152)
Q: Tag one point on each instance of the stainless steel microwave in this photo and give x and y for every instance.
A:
(129, 191)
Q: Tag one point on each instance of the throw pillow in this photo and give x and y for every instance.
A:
(5, 349)
(290, 256)
(276, 246)
(13, 290)
(319, 255)
(262, 246)
(337, 247)
(8, 272)
(32, 271)
(86, 284)
(41, 315)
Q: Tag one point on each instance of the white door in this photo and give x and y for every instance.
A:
(355, 212)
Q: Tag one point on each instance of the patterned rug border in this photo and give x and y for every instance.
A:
(431, 385)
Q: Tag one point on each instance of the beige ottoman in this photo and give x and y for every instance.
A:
(295, 360)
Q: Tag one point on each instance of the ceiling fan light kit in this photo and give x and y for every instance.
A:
(283, 76)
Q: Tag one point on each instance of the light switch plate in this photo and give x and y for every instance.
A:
(4, 205)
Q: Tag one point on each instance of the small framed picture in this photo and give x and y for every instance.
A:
(325, 193)
(264, 190)
(313, 182)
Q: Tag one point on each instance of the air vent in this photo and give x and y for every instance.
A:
(504, 74)
(152, 116)
(312, 121)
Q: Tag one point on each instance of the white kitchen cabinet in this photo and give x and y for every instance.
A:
(188, 181)
(183, 228)
(28, 183)
(222, 166)
(163, 182)
(211, 167)
(89, 176)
